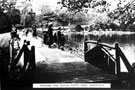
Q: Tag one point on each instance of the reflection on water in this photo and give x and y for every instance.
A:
(126, 42)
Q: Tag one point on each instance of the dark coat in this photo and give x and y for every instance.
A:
(50, 33)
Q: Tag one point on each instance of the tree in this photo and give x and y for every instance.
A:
(124, 15)
(62, 18)
(14, 15)
(6, 7)
(98, 20)
(65, 17)
(81, 5)
(45, 10)
(25, 5)
(78, 9)
(80, 18)
(5, 24)
(30, 19)
(46, 15)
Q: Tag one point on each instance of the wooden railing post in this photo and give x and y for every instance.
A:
(85, 48)
(13, 65)
(26, 55)
(85, 45)
(11, 53)
(126, 62)
(32, 65)
(117, 59)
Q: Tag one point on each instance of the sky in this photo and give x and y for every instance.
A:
(36, 4)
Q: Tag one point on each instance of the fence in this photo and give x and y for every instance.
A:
(29, 57)
(102, 58)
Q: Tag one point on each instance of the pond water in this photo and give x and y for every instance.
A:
(126, 43)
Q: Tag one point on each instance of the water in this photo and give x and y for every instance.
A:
(126, 43)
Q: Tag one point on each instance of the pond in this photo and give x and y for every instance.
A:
(126, 43)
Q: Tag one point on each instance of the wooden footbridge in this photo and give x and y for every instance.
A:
(98, 66)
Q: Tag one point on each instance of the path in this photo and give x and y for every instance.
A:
(55, 65)
(48, 55)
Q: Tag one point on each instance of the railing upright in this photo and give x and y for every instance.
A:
(18, 58)
(126, 62)
(117, 58)
(11, 53)
(85, 49)
(85, 45)
(26, 54)
(32, 65)
(118, 53)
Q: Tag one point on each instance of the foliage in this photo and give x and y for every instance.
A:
(14, 15)
(46, 15)
(98, 20)
(64, 17)
(131, 27)
(124, 15)
(45, 10)
(74, 14)
(79, 10)
(30, 19)
(80, 18)
(7, 5)
(38, 18)
(8, 15)
(81, 5)
(25, 13)
(5, 24)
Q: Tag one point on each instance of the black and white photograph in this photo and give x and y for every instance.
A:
(85, 44)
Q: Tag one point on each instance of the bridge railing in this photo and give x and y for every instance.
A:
(29, 57)
(119, 55)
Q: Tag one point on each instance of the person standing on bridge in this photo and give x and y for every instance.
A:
(62, 41)
(59, 37)
(34, 31)
(27, 31)
(50, 34)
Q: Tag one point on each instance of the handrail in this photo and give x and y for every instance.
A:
(127, 64)
(102, 44)
(29, 56)
(109, 54)
(119, 54)
(18, 58)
